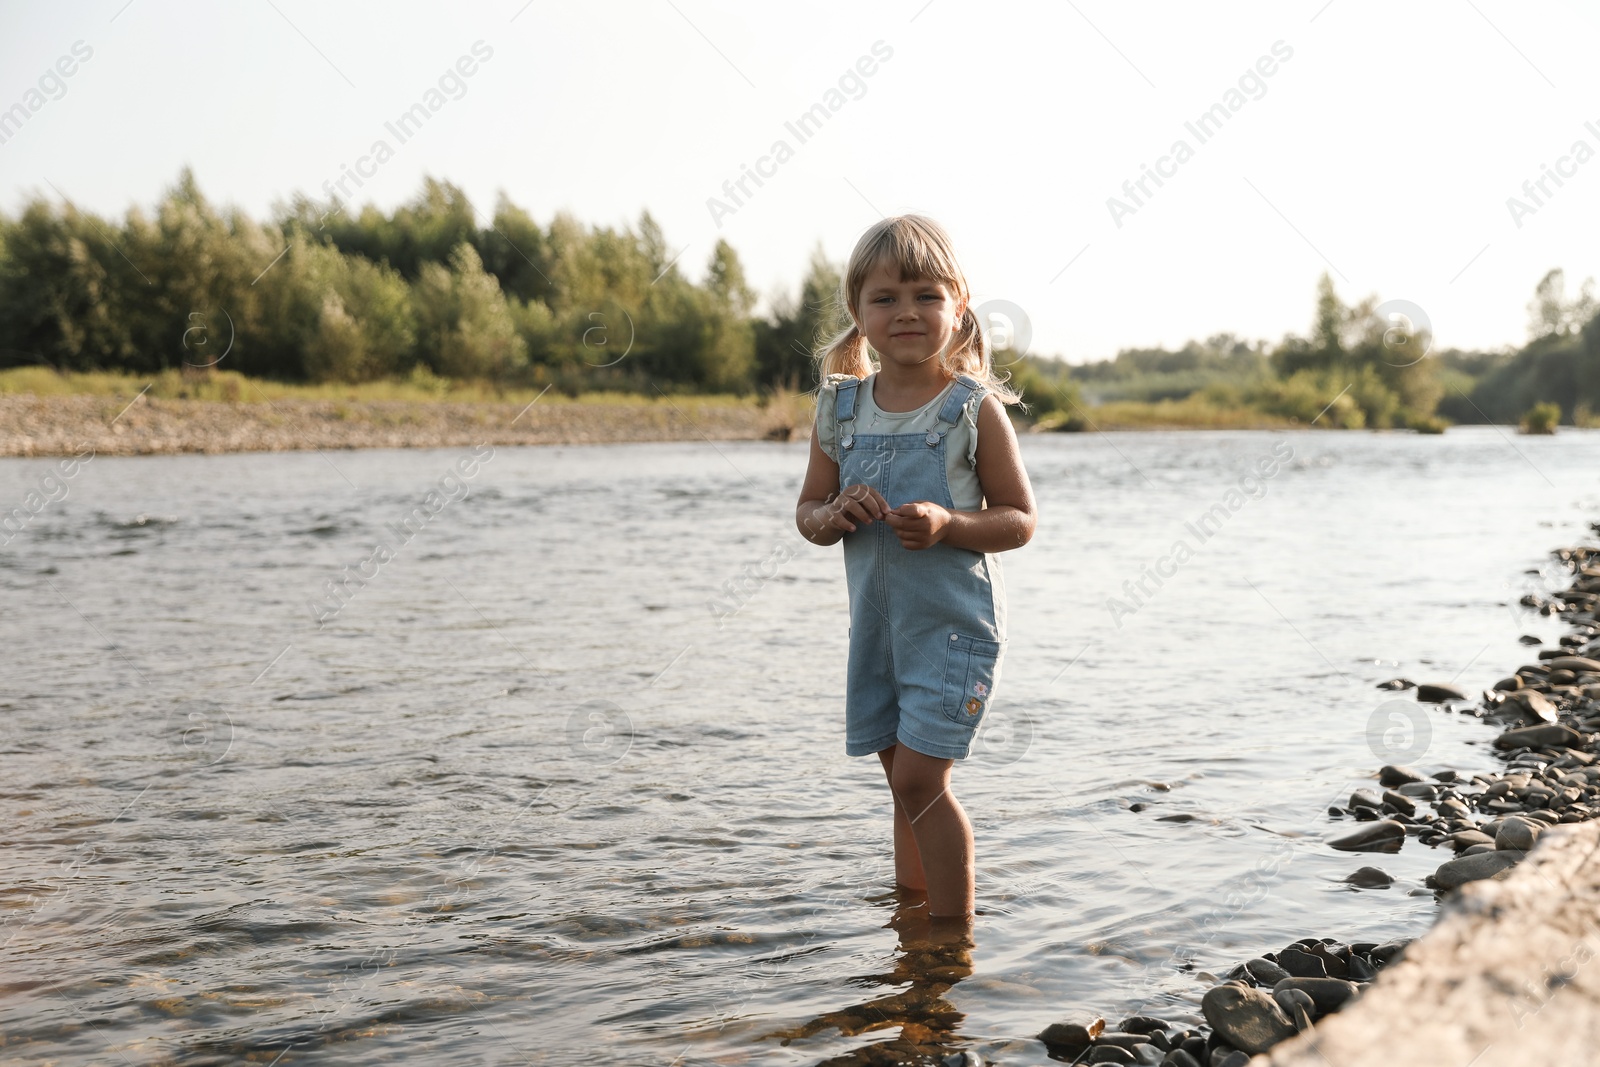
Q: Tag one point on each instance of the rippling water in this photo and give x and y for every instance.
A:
(531, 795)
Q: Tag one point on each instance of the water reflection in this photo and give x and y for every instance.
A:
(931, 957)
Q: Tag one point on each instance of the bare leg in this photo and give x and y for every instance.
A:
(943, 835)
(907, 860)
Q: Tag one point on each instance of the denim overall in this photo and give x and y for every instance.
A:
(927, 627)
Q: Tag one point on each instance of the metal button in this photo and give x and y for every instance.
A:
(844, 442)
(932, 438)
(952, 637)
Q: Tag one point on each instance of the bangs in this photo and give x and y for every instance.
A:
(915, 247)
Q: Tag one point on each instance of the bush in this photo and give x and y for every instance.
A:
(1541, 418)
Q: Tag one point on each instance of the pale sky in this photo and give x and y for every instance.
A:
(1383, 149)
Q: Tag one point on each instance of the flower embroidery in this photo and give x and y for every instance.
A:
(974, 706)
(981, 689)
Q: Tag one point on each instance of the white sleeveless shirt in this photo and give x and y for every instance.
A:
(961, 442)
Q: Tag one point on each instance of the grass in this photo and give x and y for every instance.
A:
(233, 387)
(788, 411)
(1191, 413)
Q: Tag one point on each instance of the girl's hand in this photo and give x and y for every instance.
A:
(855, 504)
(919, 524)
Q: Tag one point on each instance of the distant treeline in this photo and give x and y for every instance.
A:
(1370, 363)
(320, 294)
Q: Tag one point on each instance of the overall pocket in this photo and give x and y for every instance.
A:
(971, 665)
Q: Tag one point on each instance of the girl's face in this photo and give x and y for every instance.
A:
(907, 322)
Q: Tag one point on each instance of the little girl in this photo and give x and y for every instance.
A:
(915, 467)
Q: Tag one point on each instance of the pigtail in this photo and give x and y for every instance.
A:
(845, 353)
(969, 354)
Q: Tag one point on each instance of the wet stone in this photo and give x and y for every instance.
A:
(1368, 878)
(1539, 736)
(1298, 963)
(1297, 1005)
(1383, 835)
(1247, 1019)
(1365, 798)
(1399, 802)
(1142, 1024)
(1329, 994)
(1439, 693)
(1072, 1035)
(1466, 839)
(1392, 775)
(1265, 971)
(1517, 834)
(1464, 869)
(1331, 960)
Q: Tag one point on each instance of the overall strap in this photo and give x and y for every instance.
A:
(844, 409)
(950, 410)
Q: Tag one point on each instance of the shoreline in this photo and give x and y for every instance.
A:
(33, 425)
(1547, 713)
(139, 424)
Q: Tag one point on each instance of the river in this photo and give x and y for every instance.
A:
(539, 785)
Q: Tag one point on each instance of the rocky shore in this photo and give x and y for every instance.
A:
(69, 425)
(1548, 714)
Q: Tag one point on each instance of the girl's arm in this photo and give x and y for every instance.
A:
(1010, 517)
(824, 514)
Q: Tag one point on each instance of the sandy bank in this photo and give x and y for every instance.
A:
(65, 425)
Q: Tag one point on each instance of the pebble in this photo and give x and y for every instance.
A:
(1265, 971)
(1148, 1055)
(1298, 963)
(1397, 683)
(1109, 1054)
(1245, 1018)
(1576, 664)
(1297, 1005)
(1517, 834)
(1365, 798)
(1464, 869)
(1465, 839)
(1453, 807)
(1368, 878)
(965, 1058)
(1439, 693)
(1551, 733)
(1142, 1024)
(1179, 1058)
(1392, 775)
(1329, 994)
(1533, 704)
(1399, 802)
(1384, 835)
(1231, 1058)
(1072, 1035)
(1388, 952)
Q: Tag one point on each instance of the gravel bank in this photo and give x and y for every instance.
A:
(68, 425)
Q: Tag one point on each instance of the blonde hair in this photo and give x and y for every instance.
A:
(920, 248)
